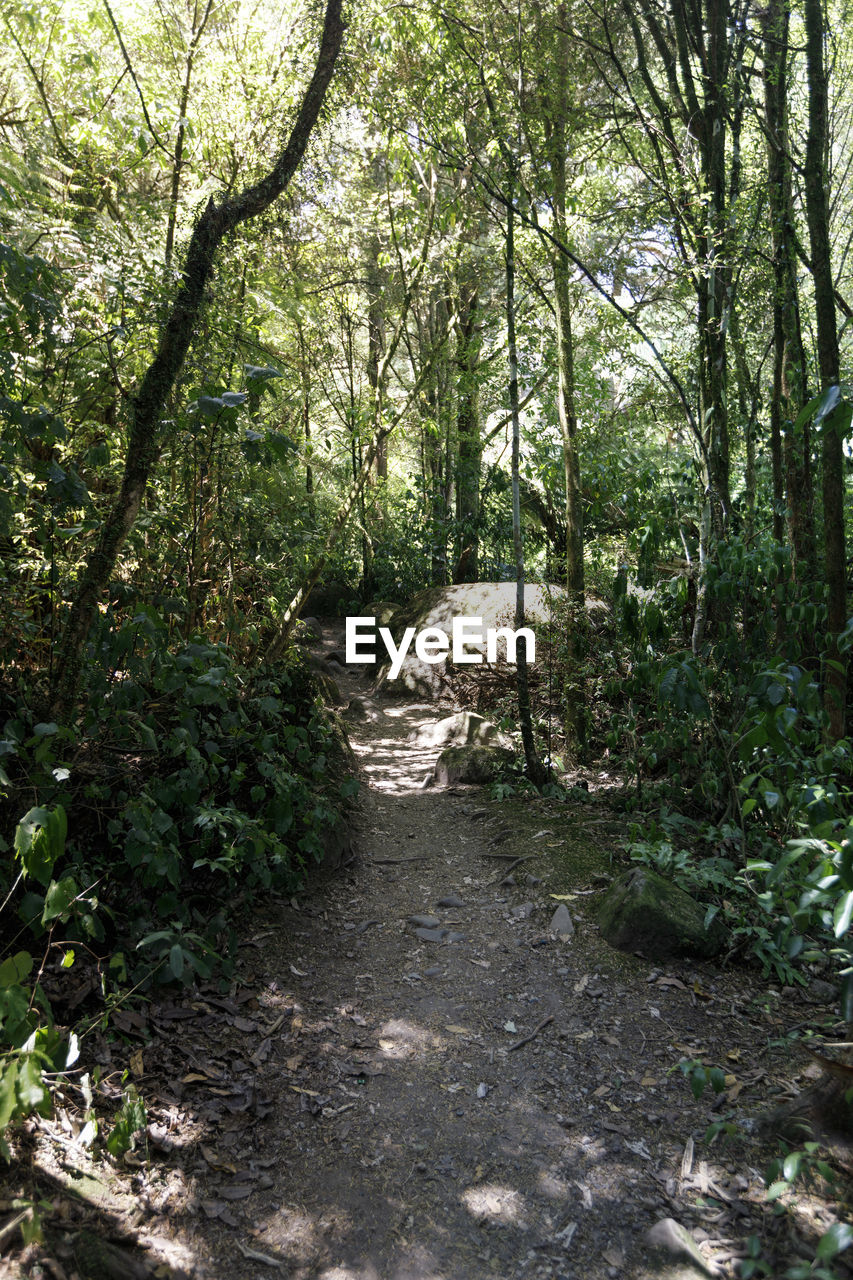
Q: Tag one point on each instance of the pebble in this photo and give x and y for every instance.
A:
(432, 935)
(562, 924)
(433, 971)
(450, 900)
(424, 922)
(523, 911)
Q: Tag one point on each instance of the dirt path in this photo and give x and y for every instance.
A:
(371, 1104)
(408, 1138)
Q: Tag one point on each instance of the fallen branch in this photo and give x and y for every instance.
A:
(395, 862)
(534, 1033)
(530, 857)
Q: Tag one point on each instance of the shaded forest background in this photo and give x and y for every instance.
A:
(474, 291)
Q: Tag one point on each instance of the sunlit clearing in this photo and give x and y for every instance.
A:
(349, 1273)
(401, 1039)
(293, 1232)
(553, 1187)
(497, 1204)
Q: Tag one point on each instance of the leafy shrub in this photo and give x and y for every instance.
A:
(194, 785)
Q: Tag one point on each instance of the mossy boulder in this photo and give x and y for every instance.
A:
(471, 763)
(645, 913)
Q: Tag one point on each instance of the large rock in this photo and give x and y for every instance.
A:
(460, 730)
(307, 631)
(673, 1255)
(382, 610)
(644, 912)
(472, 763)
(494, 602)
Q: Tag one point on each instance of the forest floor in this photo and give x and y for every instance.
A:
(371, 1104)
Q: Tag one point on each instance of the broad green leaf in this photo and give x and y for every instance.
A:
(59, 897)
(828, 401)
(15, 969)
(8, 1097)
(843, 914)
(834, 1241)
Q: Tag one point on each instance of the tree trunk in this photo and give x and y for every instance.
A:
(375, 282)
(817, 213)
(573, 690)
(790, 375)
(536, 771)
(148, 405)
(470, 447)
(180, 135)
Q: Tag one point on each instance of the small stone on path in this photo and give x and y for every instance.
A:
(424, 922)
(450, 900)
(562, 924)
(432, 935)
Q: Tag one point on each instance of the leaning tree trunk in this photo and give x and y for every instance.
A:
(817, 213)
(146, 435)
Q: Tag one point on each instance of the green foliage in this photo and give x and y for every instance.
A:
(129, 1121)
(233, 782)
(30, 1044)
(806, 1166)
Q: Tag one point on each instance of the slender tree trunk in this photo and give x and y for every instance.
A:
(536, 771)
(817, 213)
(790, 375)
(470, 447)
(148, 405)
(573, 690)
(305, 382)
(375, 281)
(180, 135)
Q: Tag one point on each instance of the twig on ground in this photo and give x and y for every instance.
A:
(533, 1034)
(395, 862)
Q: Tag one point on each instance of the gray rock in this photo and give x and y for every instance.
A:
(820, 992)
(382, 611)
(433, 971)
(307, 631)
(675, 1253)
(523, 911)
(459, 730)
(452, 936)
(356, 710)
(450, 900)
(493, 602)
(561, 922)
(644, 912)
(337, 657)
(471, 763)
(432, 935)
(424, 922)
